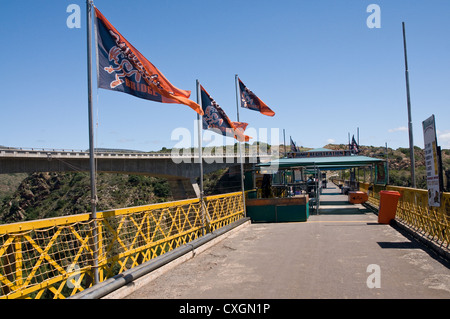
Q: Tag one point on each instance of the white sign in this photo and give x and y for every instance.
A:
(431, 162)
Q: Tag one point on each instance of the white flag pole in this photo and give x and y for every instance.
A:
(200, 154)
(408, 101)
(91, 142)
(240, 150)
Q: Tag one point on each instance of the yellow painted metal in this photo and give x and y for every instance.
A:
(42, 223)
(37, 258)
(413, 210)
(432, 222)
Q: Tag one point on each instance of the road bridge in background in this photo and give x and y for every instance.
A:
(180, 169)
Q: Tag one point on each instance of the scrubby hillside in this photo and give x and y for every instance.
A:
(43, 195)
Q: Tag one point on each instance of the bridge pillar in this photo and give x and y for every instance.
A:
(183, 189)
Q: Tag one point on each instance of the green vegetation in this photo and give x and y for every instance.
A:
(221, 181)
(9, 183)
(44, 195)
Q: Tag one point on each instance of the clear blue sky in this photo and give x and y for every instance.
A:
(315, 63)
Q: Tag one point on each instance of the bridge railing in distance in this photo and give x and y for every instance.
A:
(71, 153)
(373, 190)
(413, 211)
(53, 258)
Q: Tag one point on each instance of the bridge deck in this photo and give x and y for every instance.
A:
(326, 257)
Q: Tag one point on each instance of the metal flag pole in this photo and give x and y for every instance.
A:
(387, 165)
(349, 141)
(200, 155)
(410, 128)
(240, 150)
(357, 135)
(91, 143)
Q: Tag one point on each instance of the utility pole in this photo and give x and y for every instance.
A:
(410, 128)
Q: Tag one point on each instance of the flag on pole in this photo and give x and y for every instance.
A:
(293, 146)
(240, 125)
(214, 118)
(250, 101)
(121, 67)
(354, 147)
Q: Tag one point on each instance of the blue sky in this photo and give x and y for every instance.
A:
(315, 63)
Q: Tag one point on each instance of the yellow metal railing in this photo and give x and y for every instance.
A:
(413, 210)
(373, 191)
(54, 258)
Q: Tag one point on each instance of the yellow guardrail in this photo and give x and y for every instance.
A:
(413, 210)
(54, 258)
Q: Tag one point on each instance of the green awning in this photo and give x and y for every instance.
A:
(323, 163)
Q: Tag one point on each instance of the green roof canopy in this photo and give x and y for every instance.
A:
(323, 163)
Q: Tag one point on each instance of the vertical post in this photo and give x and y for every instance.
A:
(359, 146)
(364, 174)
(91, 142)
(387, 165)
(200, 155)
(371, 175)
(317, 186)
(410, 128)
(349, 141)
(284, 143)
(240, 149)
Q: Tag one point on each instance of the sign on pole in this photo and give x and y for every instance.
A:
(432, 162)
(381, 173)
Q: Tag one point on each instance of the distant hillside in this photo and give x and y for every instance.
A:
(44, 195)
(9, 183)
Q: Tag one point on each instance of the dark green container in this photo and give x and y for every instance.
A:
(251, 194)
(272, 210)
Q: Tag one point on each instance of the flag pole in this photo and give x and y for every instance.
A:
(91, 142)
(240, 151)
(357, 134)
(410, 128)
(349, 141)
(200, 153)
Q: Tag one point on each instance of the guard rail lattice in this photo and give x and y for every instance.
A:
(53, 258)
